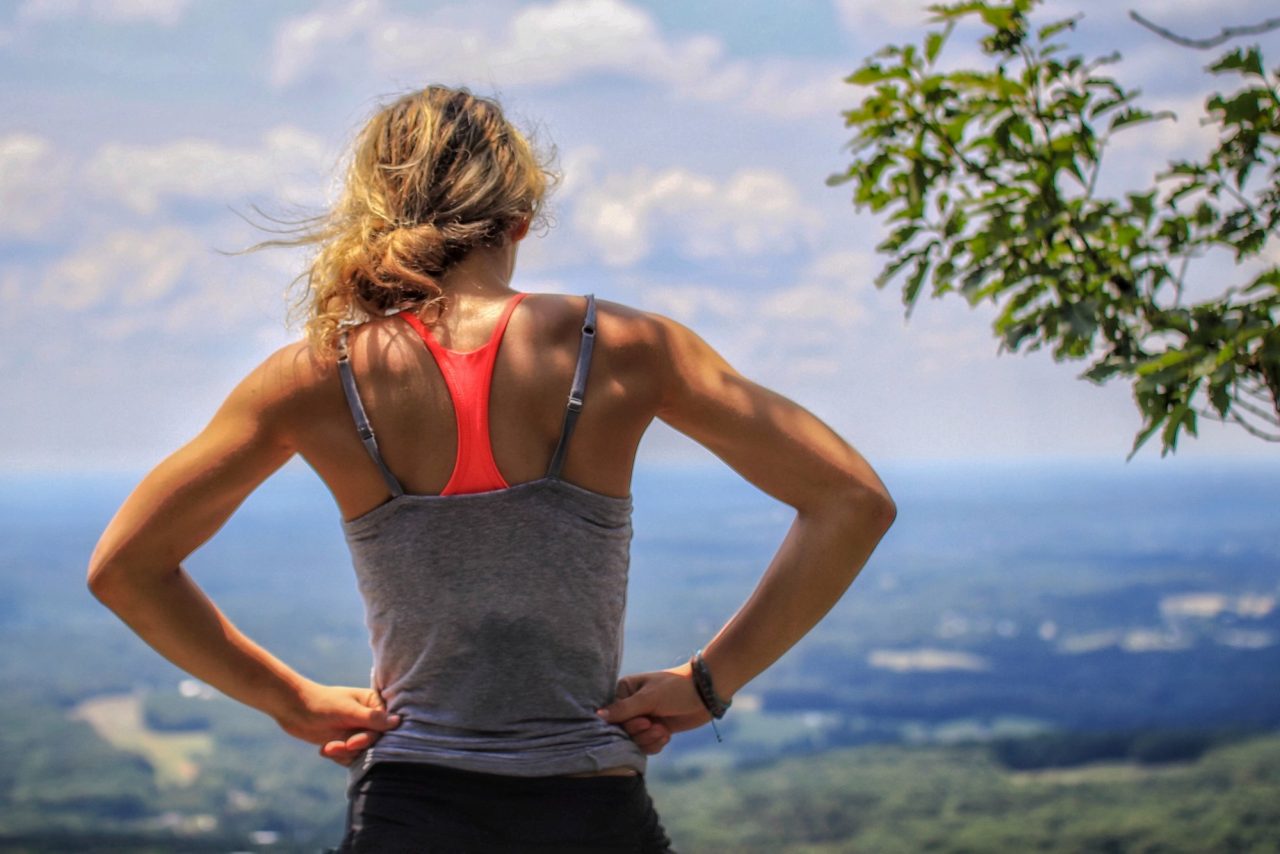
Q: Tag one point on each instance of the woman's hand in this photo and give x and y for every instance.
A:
(652, 706)
(649, 735)
(343, 721)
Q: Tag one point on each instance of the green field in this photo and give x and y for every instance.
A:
(906, 800)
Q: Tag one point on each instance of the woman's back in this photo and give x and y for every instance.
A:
(411, 410)
(496, 609)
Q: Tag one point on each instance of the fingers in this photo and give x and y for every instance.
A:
(624, 708)
(336, 751)
(379, 720)
(626, 687)
(345, 751)
(635, 726)
(649, 735)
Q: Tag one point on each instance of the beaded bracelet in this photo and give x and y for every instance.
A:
(707, 692)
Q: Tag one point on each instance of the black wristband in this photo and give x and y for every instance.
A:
(706, 690)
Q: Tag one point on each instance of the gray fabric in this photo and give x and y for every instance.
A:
(577, 388)
(363, 427)
(495, 620)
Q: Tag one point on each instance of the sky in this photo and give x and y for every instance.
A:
(138, 138)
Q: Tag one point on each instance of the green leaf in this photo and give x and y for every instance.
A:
(1146, 433)
(1220, 398)
(891, 269)
(1165, 360)
(932, 44)
(1101, 372)
(1174, 423)
(1248, 61)
(911, 290)
(1137, 115)
(867, 75)
(1050, 30)
(1267, 279)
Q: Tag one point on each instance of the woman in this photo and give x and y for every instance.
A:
(479, 443)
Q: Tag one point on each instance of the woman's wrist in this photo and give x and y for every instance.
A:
(726, 681)
(286, 700)
(704, 683)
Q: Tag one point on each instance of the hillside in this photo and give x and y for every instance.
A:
(906, 800)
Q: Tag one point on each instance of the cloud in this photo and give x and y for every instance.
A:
(861, 17)
(752, 212)
(290, 164)
(125, 268)
(549, 44)
(33, 184)
(166, 13)
(543, 44)
(802, 328)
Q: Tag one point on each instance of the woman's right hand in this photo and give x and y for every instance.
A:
(666, 698)
(343, 721)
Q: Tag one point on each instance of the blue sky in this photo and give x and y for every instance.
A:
(694, 137)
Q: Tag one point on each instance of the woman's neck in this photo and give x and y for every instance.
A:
(486, 271)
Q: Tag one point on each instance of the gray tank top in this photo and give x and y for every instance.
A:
(496, 617)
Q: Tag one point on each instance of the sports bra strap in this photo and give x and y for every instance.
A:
(577, 389)
(362, 419)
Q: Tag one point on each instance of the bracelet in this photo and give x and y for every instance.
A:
(706, 690)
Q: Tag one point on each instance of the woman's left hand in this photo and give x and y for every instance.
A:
(343, 721)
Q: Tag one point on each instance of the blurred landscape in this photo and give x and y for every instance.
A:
(1041, 656)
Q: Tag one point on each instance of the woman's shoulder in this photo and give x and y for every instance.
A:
(619, 326)
(291, 376)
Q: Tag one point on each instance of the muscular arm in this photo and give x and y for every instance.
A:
(842, 511)
(136, 567)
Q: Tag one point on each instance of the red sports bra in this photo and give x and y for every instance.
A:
(468, 377)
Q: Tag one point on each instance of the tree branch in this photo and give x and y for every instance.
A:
(1227, 33)
(1260, 392)
(1232, 417)
(1270, 419)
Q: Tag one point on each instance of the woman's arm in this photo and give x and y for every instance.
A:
(136, 567)
(842, 511)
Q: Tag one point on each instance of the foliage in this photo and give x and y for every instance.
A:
(1065, 749)
(903, 800)
(988, 178)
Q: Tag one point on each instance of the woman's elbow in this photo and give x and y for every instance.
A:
(110, 580)
(102, 579)
(871, 507)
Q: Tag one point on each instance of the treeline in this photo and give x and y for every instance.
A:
(1067, 749)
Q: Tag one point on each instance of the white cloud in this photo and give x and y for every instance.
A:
(781, 88)
(752, 212)
(33, 184)
(309, 39)
(803, 328)
(690, 303)
(163, 12)
(547, 43)
(861, 17)
(550, 44)
(289, 163)
(125, 268)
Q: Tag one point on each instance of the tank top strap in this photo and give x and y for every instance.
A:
(577, 389)
(361, 418)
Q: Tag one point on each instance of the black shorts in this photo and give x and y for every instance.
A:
(421, 808)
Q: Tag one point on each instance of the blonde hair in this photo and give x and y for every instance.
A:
(431, 176)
